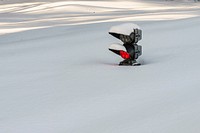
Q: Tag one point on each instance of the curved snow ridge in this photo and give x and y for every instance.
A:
(117, 46)
(126, 28)
(30, 15)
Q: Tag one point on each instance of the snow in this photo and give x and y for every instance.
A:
(58, 76)
(125, 28)
(117, 46)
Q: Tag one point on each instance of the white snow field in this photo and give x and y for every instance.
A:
(58, 76)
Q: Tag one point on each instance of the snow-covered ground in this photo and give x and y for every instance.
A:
(57, 75)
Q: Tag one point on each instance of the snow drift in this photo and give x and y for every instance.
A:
(57, 75)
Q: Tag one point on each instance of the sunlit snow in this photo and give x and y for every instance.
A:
(58, 76)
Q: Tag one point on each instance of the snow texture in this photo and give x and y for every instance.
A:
(117, 46)
(125, 28)
(58, 76)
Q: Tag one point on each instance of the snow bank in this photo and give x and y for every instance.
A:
(61, 78)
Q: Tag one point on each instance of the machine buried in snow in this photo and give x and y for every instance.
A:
(129, 34)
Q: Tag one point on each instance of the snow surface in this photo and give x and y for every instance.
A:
(117, 46)
(125, 28)
(58, 76)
